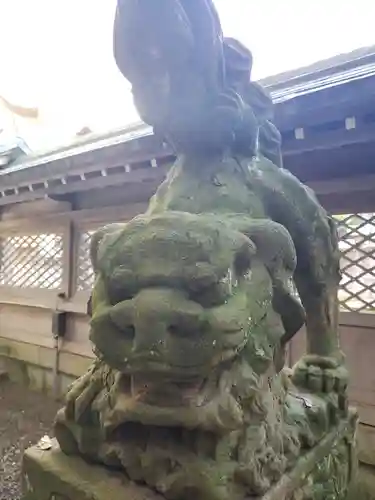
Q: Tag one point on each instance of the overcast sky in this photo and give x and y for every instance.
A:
(57, 54)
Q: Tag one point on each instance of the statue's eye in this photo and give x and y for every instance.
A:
(181, 332)
(121, 286)
(208, 297)
(128, 332)
(176, 331)
(218, 293)
(117, 295)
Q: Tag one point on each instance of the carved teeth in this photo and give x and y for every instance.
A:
(160, 391)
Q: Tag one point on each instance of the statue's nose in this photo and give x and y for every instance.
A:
(157, 314)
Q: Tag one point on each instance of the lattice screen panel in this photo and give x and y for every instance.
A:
(357, 244)
(85, 273)
(32, 261)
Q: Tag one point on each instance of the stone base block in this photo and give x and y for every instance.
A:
(364, 488)
(325, 471)
(51, 475)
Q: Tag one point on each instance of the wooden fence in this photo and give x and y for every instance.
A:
(44, 266)
(357, 321)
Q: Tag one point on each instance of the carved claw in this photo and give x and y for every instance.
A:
(321, 375)
(75, 392)
(82, 392)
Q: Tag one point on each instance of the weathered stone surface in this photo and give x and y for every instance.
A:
(51, 475)
(192, 308)
(195, 300)
(191, 311)
(323, 473)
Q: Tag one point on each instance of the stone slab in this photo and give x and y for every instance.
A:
(52, 475)
(364, 488)
(366, 444)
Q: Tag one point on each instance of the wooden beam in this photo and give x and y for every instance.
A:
(344, 185)
(83, 217)
(358, 320)
(43, 300)
(330, 140)
(112, 156)
(136, 176)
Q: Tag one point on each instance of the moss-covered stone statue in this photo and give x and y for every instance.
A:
(195, 301)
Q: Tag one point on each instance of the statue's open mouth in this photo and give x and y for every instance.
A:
(156, 390)
(151, 398)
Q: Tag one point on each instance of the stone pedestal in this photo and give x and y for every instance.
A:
(326, 471)
(52, 475)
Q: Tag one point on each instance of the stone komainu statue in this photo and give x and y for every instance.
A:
(195, 301)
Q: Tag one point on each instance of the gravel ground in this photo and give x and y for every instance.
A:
(25, 417)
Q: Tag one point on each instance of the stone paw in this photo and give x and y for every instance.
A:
(83, 391)
(319, 374)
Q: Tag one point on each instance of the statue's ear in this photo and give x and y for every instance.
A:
(276, 249)
(291, 310)
(97, 239)
(272, 240)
